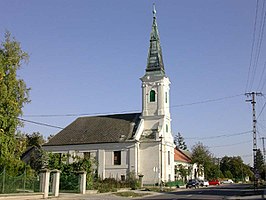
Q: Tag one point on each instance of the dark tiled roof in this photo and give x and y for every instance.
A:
(98, 129)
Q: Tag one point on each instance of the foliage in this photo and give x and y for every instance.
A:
(35, 139)
(26, 181)
(260, 163)
(213, 171)
(13, 97)
(174, 184)
(180, 142)
(182, 171)
(132, 181)
(234, 168)
(202, 157)
(111, 184)
(69, 171)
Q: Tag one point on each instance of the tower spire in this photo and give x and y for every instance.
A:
(155, 59)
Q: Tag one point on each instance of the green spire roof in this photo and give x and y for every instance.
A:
(155, 59)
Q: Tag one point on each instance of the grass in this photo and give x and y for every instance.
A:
(157, 189)
(130, 194)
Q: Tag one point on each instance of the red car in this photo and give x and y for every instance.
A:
(214, 182)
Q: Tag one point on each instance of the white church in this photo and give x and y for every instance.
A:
(141, 143)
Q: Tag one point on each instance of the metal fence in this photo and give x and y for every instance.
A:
(15, 184)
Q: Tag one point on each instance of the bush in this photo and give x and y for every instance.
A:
(132, 181)
(174, 184)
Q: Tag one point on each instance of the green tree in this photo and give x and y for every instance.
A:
(183, 172)
(213, 171)
(260, 162)
(180, 142)
(35, 139)
(202, 157)
(34, 144)
(13, 96)
(238, 170)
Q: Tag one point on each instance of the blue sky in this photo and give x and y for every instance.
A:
(86, 57)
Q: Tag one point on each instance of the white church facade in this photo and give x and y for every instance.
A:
(141, 143)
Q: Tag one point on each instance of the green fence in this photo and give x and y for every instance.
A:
(15, 184)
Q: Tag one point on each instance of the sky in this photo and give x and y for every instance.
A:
(86, 57)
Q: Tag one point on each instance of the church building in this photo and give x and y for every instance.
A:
(139, 143)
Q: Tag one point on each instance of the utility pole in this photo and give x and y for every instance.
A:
(253, 102)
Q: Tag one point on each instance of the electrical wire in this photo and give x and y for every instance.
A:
(218, 136)
(40, 123)
(227, 145)
(259, 43)
(253, 43)
(261, 78)
(128, 111)
(261, 110)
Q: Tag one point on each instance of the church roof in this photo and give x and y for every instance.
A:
(98, 129)
(155, 59)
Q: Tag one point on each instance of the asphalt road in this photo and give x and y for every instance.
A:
(232, 191)
(229, 192)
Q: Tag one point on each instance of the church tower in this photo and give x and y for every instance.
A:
(155, 86)
(156, 141)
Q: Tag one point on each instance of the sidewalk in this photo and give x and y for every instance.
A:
(71, 196)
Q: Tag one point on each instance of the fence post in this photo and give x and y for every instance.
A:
(56, 181)
(25, 177)
(82, 187)
(3, 181)
(45, 177)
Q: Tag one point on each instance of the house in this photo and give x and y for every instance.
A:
(184, 168)
(141, 143)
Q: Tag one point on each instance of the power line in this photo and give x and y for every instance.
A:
(261, 78)
(40, 123)
(261, 110)
(227, 145)
(218, 136)
(259, 43)
(127, 111)
(252, 46)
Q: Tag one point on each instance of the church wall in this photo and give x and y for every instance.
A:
(168, 162)
(104, 156)
(149, 162)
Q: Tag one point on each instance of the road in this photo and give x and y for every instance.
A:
(233, 191)
(229, 192)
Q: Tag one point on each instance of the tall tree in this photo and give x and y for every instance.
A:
(13, 96)
(180, 142)
(202, 157)
(233, 167)
(259, 161)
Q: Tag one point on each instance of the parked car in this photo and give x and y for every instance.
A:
(228, 181)
(204, 183)
(214, 182)
(192, 183)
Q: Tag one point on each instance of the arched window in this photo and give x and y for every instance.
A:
(166, 128)
(152, 96)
